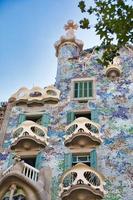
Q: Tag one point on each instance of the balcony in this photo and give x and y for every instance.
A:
(29, 136)
(82, 132)
(52, 95)
(113, 71)
(36, 96)
(26, 177)
(23, 169)
(81, 183)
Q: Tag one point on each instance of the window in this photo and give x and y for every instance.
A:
(92, 115)
(82, 159)
(89, 159)
(35, 94)
(41, 119)
(83, 114)
(51, 92)
(83, 88)
(71, 116)
(71, 159)
(30, 161)
(34, 118)
(68, 51)
(14, 193)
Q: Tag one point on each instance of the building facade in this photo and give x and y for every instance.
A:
(71, 140)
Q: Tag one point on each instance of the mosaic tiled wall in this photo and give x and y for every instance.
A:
(114, 104)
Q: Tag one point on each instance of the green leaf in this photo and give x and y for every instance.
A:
(113, 21)
(84, 23)
(82, 6)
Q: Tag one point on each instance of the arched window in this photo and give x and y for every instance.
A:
(14, 193)
(35, 94)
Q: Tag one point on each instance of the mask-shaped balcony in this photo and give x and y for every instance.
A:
(81, 183)
(35, 183)
(29, 136)
(82, 132)
(113, 71)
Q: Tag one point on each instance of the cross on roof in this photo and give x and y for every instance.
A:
(70, 25)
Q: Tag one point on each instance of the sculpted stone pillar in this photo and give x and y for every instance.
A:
(12, 190)
(44, 181)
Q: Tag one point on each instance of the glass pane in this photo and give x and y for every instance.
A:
(74, 159)
(85, 89)
(90, 89)
(80, 89)
(82, 158)
(76, 90)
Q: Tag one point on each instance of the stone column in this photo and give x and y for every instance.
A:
(12, 190)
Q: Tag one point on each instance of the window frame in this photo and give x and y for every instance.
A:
(78, 156)
(26, 157)
(83, 80)
(91, 157)
(32, 116)
(82, 113)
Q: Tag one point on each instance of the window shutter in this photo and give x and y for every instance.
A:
(85, 89)
(45, 120)
(39, 160)
(76, 90)
(90, 89)
(67, 161)
(70, 117)
(95, 115)
(93, 159)
(22, 118)
(10, 160)
(80, 89)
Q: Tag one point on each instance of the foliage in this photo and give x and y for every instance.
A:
(114, 24)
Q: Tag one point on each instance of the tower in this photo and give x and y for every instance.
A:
(68, 49)
(68, 46)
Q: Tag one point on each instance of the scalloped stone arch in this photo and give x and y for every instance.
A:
(31, 191)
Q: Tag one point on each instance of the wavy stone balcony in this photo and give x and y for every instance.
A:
(37, 95)
(35, 183)
(29, 135)
(82, 183)
(82, 132)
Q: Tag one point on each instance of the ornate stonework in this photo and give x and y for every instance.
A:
(34, 183)
(29, 138)
(36, 95)
(70, 27)
(82, 132)
(86, 183)
(113, 71)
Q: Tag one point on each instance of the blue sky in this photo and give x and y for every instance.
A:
(28, 30)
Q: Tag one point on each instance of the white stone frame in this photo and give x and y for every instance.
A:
(93, 79)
